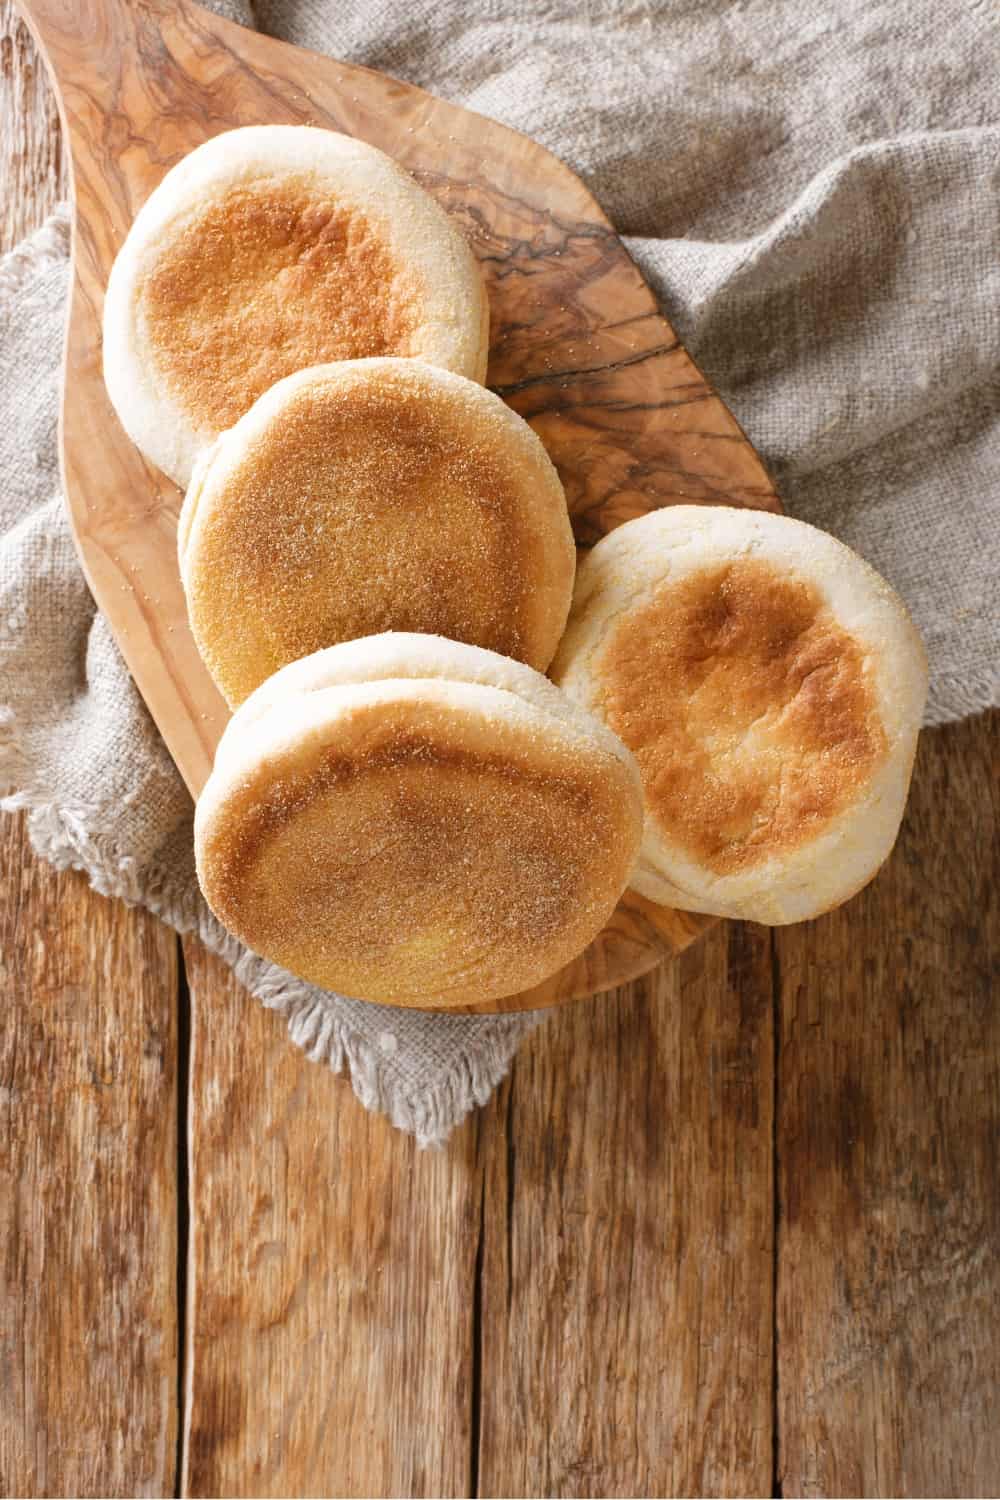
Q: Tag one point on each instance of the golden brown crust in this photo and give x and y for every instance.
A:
(272, 276)
(378, 497)
(749, 709)
(268, 249)
(416, 851)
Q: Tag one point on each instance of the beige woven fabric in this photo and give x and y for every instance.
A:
(812, 190)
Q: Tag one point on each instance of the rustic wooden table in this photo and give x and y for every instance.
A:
(733, 1229)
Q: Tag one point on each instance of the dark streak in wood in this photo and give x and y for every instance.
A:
(577, 372)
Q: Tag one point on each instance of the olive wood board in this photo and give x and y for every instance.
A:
(578, 345)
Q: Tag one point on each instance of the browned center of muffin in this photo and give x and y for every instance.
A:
(749, 708)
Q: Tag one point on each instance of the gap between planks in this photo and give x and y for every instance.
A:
(777, 1489)
(183, 1211)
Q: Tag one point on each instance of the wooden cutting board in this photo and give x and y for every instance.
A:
(578, 346)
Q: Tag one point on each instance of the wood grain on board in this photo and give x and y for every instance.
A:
(627, 1268)
(888, 1333)
(577, 343)
(88, 1110)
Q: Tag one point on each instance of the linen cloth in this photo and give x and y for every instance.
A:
(813, 192)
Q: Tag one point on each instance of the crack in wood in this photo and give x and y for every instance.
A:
(609, 368)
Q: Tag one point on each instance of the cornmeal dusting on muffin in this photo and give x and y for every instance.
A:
(274, 276)
(393, 498)
(470, 868)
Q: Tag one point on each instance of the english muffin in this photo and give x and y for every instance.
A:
(371, 495)
(268, 249)
(411, 820)
(771, 687)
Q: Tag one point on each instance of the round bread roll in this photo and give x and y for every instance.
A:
(268, 249)
(415, 821)
(371, 495)
(771, 686)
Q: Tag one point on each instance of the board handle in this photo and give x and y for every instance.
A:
(87, 44)
(109, 60)
(69, 32)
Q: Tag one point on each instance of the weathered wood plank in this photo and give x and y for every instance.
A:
(889, 1090)
(33, 174)
(88, 1367)
(332, 1267)
(627, 1271)
(88, 1370)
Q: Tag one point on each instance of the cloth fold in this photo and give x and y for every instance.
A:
(815, 201)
